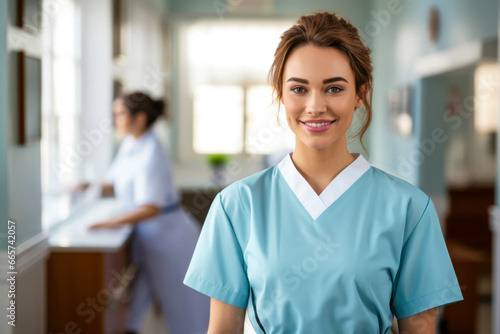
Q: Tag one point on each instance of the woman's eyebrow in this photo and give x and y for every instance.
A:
(304, 81)
(334, 80)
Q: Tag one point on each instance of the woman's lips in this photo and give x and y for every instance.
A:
(318, 128)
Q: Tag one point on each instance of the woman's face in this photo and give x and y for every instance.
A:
(319, 95)
(122, 117)
(125, 122)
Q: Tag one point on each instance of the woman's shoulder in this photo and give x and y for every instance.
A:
(238, 191)
(400, 192)
(154, 150)
(392, 182)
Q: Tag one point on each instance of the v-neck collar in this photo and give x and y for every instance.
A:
(315, 204)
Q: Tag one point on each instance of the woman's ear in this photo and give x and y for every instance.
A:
(360, 96)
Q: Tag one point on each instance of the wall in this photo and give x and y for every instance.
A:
(497, 197)
(3, 124)
(355, 10)
(400, 41)
(4, 327)
(24, 181)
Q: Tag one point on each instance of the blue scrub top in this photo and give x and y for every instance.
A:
(367, 248)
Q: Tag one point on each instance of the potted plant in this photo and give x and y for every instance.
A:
(217, 162)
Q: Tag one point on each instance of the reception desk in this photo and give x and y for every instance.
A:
(88, 274)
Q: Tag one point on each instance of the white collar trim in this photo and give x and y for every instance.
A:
(313, 203)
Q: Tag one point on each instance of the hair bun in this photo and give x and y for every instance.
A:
(158, 107)
(141, 102)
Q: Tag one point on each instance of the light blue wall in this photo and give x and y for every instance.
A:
(24, 169)
(497, 193)
(400, 41)
(431, 172)
(355, 10)
(3, 124)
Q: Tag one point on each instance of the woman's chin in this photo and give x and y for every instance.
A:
(318, 144)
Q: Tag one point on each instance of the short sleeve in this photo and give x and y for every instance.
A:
(217, 268)
(426, 278)
(150, 185)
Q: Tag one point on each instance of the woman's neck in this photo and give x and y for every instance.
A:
(320, 166)
(137, 134)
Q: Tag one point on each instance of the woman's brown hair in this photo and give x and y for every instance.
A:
(141, 102)
(327, 30)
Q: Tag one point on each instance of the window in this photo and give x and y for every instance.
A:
(60, 111)
(226, 70)
(218, 119)
(264, 134)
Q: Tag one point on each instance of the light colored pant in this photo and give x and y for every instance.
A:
(162, 250)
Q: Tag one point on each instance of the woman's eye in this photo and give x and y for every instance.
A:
(334, 89)
(298, 89)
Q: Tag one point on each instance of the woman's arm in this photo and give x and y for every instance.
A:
(107, 190)
(225, 318)
(141, 213)
(421, 323)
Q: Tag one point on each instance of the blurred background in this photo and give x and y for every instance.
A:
(62, 63)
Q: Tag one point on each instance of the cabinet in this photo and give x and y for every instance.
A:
(86, 291)
(198, 201)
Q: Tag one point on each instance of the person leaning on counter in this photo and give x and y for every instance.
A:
(164, 235)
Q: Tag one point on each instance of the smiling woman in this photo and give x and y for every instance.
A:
(316, 104)
(322, 242)
(339, 52)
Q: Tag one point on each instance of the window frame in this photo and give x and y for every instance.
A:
(185, 153)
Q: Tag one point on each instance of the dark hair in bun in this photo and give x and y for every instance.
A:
(139, 101)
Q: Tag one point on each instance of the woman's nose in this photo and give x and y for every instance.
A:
(316, 103)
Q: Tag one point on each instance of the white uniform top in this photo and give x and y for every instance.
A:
(140, 173)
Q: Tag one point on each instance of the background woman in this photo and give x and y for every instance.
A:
(164, 236)
(322, 242)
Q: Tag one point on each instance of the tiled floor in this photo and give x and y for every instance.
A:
(154, 323)
(485, 315)
(484, 319)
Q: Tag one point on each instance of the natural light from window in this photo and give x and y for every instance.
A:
(218, 119)
(60, 111)
(227, 65)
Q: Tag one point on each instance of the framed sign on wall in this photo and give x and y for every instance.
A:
(29, 15)
(29, 98)
(120, 30)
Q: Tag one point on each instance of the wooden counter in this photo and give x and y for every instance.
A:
(88, 273)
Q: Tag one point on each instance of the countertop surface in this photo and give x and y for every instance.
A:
(73, 235)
